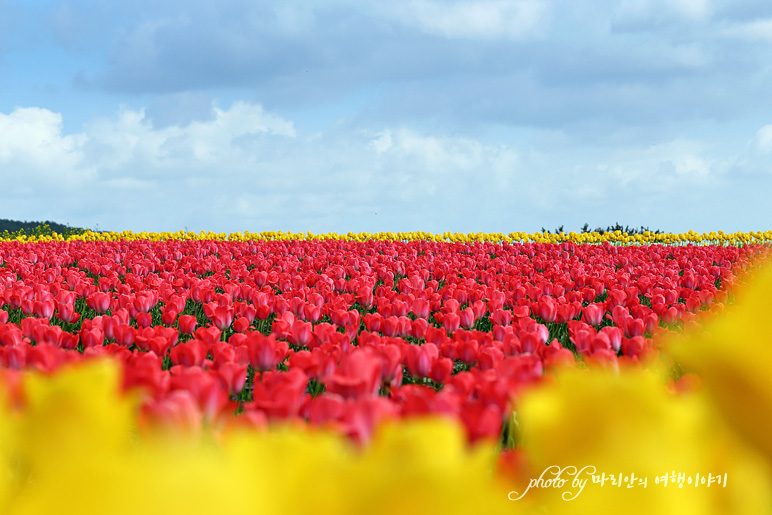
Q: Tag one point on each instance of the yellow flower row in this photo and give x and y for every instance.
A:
(615, 238)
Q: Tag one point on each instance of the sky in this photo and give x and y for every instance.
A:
(407, 115)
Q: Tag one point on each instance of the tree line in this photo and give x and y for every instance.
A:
(611, 228)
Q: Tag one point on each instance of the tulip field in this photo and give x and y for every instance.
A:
(387, 373)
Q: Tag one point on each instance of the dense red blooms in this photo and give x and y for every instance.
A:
(345, 334)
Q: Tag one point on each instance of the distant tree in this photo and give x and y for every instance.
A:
(611, 228)
(14, 228)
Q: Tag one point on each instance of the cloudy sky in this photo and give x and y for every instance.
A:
(359, 115)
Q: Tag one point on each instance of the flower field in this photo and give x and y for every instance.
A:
(394, 373)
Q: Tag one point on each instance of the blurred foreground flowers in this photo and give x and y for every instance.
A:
(69, 444)
(718, 422)
(629, 424)
(74, 449)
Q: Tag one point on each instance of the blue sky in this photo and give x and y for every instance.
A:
(354, 115)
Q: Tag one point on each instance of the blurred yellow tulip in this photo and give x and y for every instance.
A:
(630, 424)
(73, 448)
(733, 355)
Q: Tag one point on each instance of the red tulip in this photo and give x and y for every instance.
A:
(326, 408)
(27, 306)
(187, 324)
(204, 387)
(209, 335)
(144, 301)
(92, 337)
(312, 313)
(420, 308)
(559, 358)
(521, 311)
(488, 357)
(233, 376)
(189, 354)
(241, 324)
(248, 311)
(363, 415)
(14, 357)
(300, 333)
(178, 410)
(467, 318)
(420, 359)
(44, 308)
(694, 303)
(442, 370)
(633, 347)
(593, 314)
(566, 312)
(670, 315)
(390, 326)
(10, 335)
(451, 322)
(614, 335)
(372, 322)
(222, 317)
(546, 308)
(364, 297)
(481, 421)
(265, 352)
(357, 375)
(169, 316)
(144, 320)
(67, 313)
(279, 394)
(124, 334)
(467, 351)
(501, 317)
(99, 301)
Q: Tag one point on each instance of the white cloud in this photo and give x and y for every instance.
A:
(439, 155)
(292, 19)
(33, 148)
(439, 163)
(481, 19)
(131, 138)
(243, 117)
(756, 30)
(631, 11)
(763, 140)
(697, 10)
(121, 164)
(129, 184)
(691, 165)
(690, 56)
(247, 169)
(429, 168)
(662, 166)
(250, 170)
(383, 142)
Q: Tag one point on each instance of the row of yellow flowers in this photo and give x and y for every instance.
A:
(615, 238)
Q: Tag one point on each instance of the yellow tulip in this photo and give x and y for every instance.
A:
(630, 424)
(74, 449)
(733, 355)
